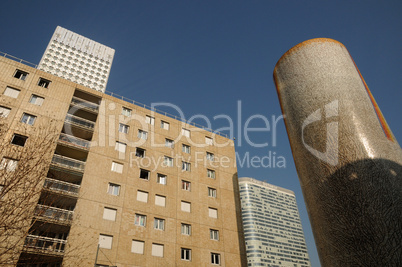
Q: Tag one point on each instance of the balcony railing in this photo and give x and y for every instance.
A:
(61, 186)
(53, 213)
(68, 162)
(74, 141)
(45, 244)
(79, 121)
(84, 104)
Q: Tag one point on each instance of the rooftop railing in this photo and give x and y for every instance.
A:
(79, 121)
(18, 60)
(74, 141)
(68, 162)
(53, 213)
(84, 103)
(45, 244)
(61, 186)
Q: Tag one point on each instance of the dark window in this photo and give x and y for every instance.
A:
(140, 152)
(19, 74)
(19, 140)
(144, 174)
(43, 83)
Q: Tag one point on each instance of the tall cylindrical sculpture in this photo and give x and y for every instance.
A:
(348, 161)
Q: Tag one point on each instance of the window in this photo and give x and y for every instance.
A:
(160, 200)
(150, 120)
(140, 220)
(109, 214)
(113, 189)
(43, 83)
(117, 167)
(22, 75)
(168, 161)
(186, 254)
(211, 174)
(185, 229)
(144, 174)
(186, 206)
(157, 250)
(105, 241)
(142, 196)
(11, 92)
(159, 224)
(19, 140)
(165, 125)
(126, 112)
(169, 143)
(216, 258)
(123, 128)
(36, 100)
(186, 166)
(213, 213)
(139, 152)
(161, 179)
(208, 140)
(28, 119)
(213, 234)
(185, 185)
(185, 132)
(9, 164)
(185, 148)
(4, 111)
(137, 247)
(211, 192)
(210, 156)
(142, 134)
(121, 147)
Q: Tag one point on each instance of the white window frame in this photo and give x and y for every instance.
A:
(159, 224)
(28, 118)
(168, 161)
(123, 128)
(137, 246)
(165, 125)
(22, 137)
(113, 189)
(11, 92)
(142, 134)
(117, 167)
(185, 132)
(105, 241)
(215, 258)
(126, 111)
(211, 174)
(210, 156)
(185, 229)
(144, 171)
(9, 164)
(120, 146)
(169, 143)
(36, 100)
(44, 82)
(4, 111)
(209, 140)
(211, 192)
(140, 152)
(186, 166)
(214, 234)
(109, 214)
(161, 179)
(186, 148)
(185, 185)
(23, 74)
(185, 254)
(150, 120)
(140, 220)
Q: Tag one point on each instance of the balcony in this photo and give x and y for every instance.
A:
(61, 187)
(68, 163)
(74, 141)
(80, 122)
(46, 245)
(81, 103)
(54, 214)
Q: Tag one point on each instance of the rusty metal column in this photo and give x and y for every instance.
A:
(347, 159)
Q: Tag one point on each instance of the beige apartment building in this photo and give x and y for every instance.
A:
(124, 185)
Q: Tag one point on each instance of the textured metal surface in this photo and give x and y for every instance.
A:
(348, 162)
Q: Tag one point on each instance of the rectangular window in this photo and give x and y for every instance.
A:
(213, 213)
(161, 179)
(210, 156)
(113, 189)
(36, 100)
(214, 234)
(185, 132)
(208, 140)
(185, 229)
(140, 220)
(22, 75)
(157, 250)
(137, 247)
(105, 241)
(142, 196)
(185, 185)
(168, 161)
(216, 258)
(9, 164)
(211, 174)
(211, 192)
(186, 254)
(186, 206)
(144, 174)
(139, 152)
(123, 128)
(142, 134)
(126, 112)
(28, 119)
(43, 83)
(159, 224)
(165, 125)
(109, 214)
(11, 92)
(121, 147)
(117, 167)
(160, 200)
(169, 143)
(19, 140)
(150, 120)
(185, 148)
(4, 112)
(185, 166)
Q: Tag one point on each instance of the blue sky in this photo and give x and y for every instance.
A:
(206, 56)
